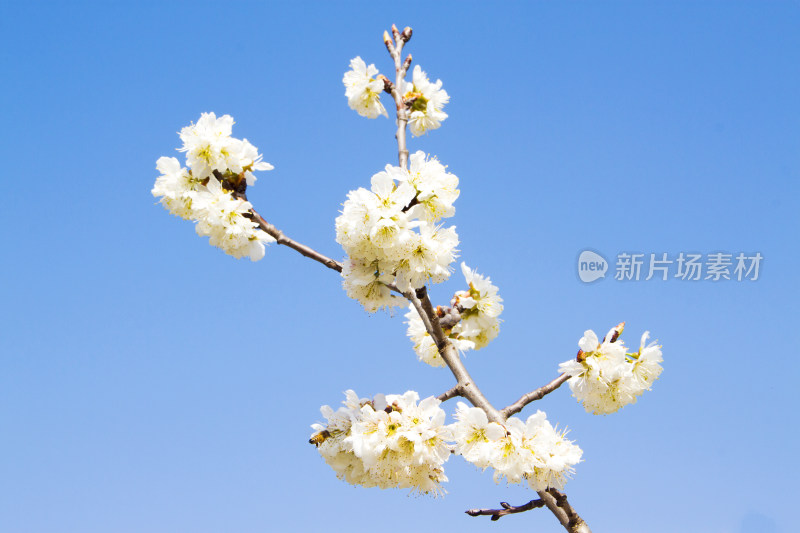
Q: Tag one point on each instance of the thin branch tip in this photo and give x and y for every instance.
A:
(507, 508)
(534, 395)
(407, 63)
(452, 393)
(387, 40)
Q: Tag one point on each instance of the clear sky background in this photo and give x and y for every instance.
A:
(150, 383)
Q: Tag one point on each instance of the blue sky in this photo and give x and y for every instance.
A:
(150, 383)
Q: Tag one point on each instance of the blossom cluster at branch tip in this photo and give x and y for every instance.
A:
(397, 441)
(218, 165)
(390, 441)
(518, 451)
(427, 101)
(605, 378)
(363, 89)
(391, 233)
(477, 308)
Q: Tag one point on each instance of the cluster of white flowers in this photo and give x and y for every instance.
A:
(428, 101)
(605, 378)
(394, 442)
(478, 309)
(209, 147)
(388, 442)
(390, 233)
(363, 89)
(532, 450)
(204, 192)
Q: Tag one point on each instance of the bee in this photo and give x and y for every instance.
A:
(319, 437)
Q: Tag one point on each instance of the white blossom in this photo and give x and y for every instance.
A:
(363, 89)
(475, 437)
(436, 188)
(605, 378)
(647, 367)
(209, 147)
(198, 194)
(206, 144)
(429, 100)
(480, 308)
(390, 235)
(428, 257)
(366, 282)
(531, 451)
(245, 158)
(392, 441)
(174, 187)
(221, 217)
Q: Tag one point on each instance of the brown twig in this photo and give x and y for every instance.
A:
(507, 509)
(238, 185)
(449, 354)
(407, 62)
(452, 393)
(532, 396)
(294, 245)
(574, 523)
(551, 498)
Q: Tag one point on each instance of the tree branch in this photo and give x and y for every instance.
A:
(465, 384)
(452, 393)
(532, 396)
(420, 299)
(507, 509)
(555, 501)
(294, 245)
(238, 185)
(552, 499)
(395, 50)
(573, 523)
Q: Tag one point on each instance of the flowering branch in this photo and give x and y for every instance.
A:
(395, 244)
(507, 509)
(419, 298)
(238, 184)
(466, 385)
(532, 396)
